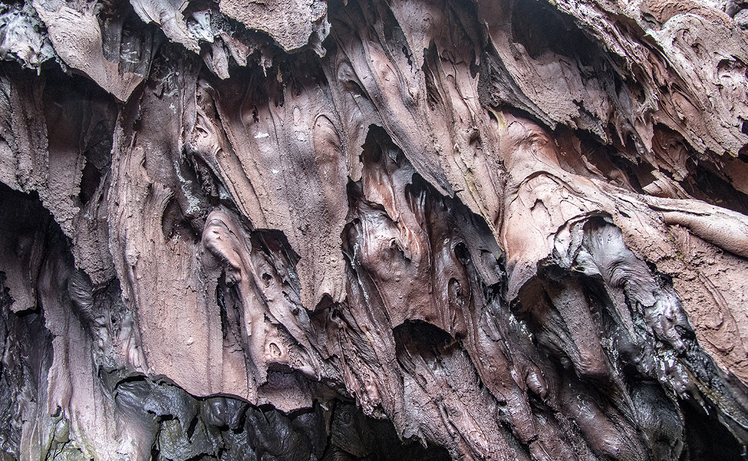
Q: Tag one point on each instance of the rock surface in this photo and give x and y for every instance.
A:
(359, 229)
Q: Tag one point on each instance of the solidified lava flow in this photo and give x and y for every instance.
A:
(368, 229)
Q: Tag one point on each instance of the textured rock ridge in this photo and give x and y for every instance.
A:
(311, 230)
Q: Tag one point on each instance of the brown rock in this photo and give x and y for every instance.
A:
(505, 230)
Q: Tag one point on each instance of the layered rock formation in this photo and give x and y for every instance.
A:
(425, 229)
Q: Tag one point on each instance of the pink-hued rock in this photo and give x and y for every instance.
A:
(329, 230)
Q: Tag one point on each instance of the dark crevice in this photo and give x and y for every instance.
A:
(707, 438)
(704, 183)
(539, 28)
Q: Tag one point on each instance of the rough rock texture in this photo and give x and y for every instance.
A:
(431, 229)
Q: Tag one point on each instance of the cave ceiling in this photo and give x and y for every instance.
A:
(368, 229)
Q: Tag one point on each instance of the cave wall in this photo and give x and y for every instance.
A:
(409, 229)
